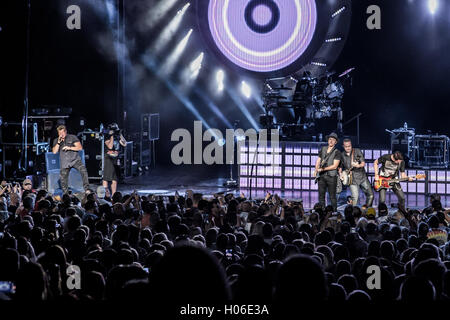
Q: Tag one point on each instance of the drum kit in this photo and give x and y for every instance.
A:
(311, 98)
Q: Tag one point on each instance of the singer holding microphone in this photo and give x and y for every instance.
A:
(68, 146)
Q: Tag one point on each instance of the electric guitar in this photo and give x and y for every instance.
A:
(387, 183)
(323, 164)
(319, 174)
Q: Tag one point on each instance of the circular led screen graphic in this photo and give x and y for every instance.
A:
(262, 35)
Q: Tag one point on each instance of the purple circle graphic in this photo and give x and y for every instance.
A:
(262, 15)
(262, 52)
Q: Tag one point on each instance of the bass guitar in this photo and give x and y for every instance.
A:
(388, 183)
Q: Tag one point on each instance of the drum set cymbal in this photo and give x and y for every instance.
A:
(346, 72)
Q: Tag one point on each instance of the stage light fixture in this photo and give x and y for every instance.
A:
(246, 90)
(220, 77)
(333, 40)
(342, 9)
(433, 6)
(319, 64)
(196, 65)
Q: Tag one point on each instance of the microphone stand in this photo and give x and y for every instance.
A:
(231, 183)
(251, 171)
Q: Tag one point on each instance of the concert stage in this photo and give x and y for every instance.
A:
(166, 180)
(293, 168)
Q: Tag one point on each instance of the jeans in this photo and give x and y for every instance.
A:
(64, 176)
(366, 188)
(330, 183)
(398, 192)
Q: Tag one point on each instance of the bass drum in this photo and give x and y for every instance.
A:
(334, 90)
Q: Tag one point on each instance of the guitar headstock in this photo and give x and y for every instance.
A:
(421, 176)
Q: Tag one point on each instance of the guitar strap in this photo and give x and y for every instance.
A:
(327, 156)
(353, 152)
(350, 174)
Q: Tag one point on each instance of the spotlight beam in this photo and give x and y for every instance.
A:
(433, 6)
(157, 13)
(150, 64)
(171, 61)
(243, 108)
(169, 32)
(213, 107)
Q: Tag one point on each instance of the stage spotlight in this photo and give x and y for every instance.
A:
(333, 40)
(220, 77)
(174, 57)
(246, 90)
(433, 6)
(319, 64)
(169, 31)
(342, 9)
(221, 142)
(196, 65)
(191, 73)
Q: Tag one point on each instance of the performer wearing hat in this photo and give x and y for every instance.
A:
(326, 171)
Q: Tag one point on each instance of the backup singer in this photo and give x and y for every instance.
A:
(353, 159)
(326, 168)
(68, 146)
(391, 166)
(113, 141)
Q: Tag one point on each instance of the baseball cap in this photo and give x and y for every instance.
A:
(371, 212)
(27, 182)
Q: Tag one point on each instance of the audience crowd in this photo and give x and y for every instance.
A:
(221, 248)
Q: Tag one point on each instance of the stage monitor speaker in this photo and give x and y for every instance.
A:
(53, 179)
(154, 127)
(144, 154)
(54, 182)
(93, 145)
(52, 160)
(128, 160)
(145, 127)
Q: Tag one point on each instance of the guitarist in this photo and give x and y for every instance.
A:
(353, 159)
(326, 168)
(391, 166)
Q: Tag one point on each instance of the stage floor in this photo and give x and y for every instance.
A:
(165, 181)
